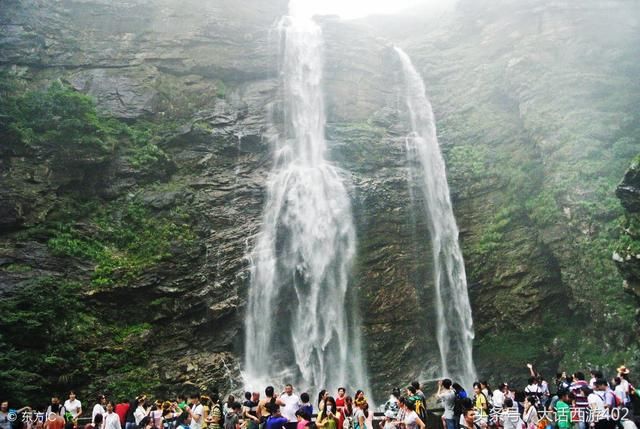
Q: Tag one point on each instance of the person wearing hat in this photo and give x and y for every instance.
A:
(623, 373)
(387, 423)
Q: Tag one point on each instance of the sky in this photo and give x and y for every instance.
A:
(350, 9)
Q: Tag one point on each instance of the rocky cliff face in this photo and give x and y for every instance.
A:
(150, 231)
(627, 254)
(533, 103)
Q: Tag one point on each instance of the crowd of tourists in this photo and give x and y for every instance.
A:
(566, 402)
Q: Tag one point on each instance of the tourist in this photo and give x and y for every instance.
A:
(215, 414)
(347, 421)
(499, 395)
(608, 398)
(595, 374)
(98, 408)
(195, 411)
(623, 373)
(417, 399)
(130, 419)
(530, 415)
(270, 397)
(411, 419)
(419, 392)
(533, 389)
(581, 404)
(291, 403)
(563, 410)
(155, 414)
(447, 396)
(54, 419)
(232, 419)
(509, 417)
(141, 411)
(306, 406)
(73, 406)
(389, 420)
(184, 421)
(597, 408)
(182, 401)
(460, 392)
(321, 398)
(171, 415)
(275, 419)
(227, 407)
(392, 403)
(249, 411)
(329, 417)
(302, 418)
(55, 400)
(96, 423)
(620, 390)
(578, 382)
(402, 411)
(481, 404)
(111, 419)
(121, 410)
(340, 405)
(360, 412)
(469, 420)
(484, 386)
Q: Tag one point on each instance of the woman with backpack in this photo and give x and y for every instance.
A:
(214, 419)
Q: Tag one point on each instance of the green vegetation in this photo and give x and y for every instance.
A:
(62, 117)
(59, 332)
(123, 241)
(221, 89)
(61, 344)
(67, 123)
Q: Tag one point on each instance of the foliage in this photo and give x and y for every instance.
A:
(221, 89)
(60, 116)
(124, 240)
(63, 344)
(67, 122)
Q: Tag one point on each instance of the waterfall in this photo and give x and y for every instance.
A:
(301, 317)
(454, 330)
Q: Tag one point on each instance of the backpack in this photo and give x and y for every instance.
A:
(229, 421)
(348, 423)
(222, 416)
(420, 409)
(143, 422)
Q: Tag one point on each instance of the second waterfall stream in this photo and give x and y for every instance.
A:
(454, 328)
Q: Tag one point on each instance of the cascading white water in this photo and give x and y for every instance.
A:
(454, 331)
(300, 320)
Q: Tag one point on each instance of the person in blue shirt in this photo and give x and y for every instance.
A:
(275, 419)
(306, 406)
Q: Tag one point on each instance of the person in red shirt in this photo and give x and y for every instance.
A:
(54, 420)
(121, 410)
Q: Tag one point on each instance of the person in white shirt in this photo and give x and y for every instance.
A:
(195, 410)
(73, 405)
(499, 395)
(596, 404)
(141, 412)
(98, 408)
(291, 403)
(533, 389)
(111, 419)
(55, 403)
